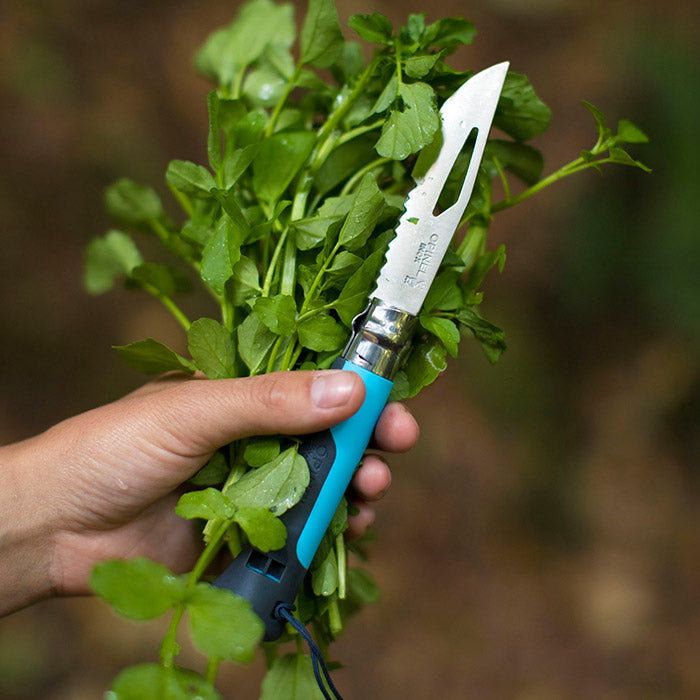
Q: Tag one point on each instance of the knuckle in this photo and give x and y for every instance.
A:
(271, 393)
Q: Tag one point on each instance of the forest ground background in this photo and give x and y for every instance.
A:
(542, 541)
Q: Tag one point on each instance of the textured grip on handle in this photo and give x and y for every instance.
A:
(266, 579)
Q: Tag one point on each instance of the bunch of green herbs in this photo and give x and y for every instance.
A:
(286, 227)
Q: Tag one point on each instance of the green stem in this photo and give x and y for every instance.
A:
(183, 200)
(334, 119)
(212, 669)
(238, 82)
(160, 230)
(207, 556)
(169, 647)
(228, 313)
(399, 76)
(269, 275)
(342, 565)
(317, 279)
(287, 359)
(473, 244)
(502, 175)
(291, 84)
(170, 305)
(289, 263)
(298, 349)
(361, 173)
(317, 310)
(273, 354)
(575, 166)
(334, 619)
(358, 131)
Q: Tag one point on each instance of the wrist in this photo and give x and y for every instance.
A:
(25, 531)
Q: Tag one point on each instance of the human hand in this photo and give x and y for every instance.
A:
(105, 483)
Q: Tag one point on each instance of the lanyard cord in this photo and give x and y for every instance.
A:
(284, 611)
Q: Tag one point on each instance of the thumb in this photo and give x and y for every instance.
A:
(195, 417)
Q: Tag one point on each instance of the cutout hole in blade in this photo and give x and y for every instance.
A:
(453, 185)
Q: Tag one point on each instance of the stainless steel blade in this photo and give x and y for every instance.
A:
(415, 254)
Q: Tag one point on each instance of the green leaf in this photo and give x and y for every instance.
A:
(484, 263)
(339, 522)
(151, 357)
(322, 333)
(420, 66)
(520, 159)
(245, 282)
(344, 264)
(353, 297)
(450, 32)
(411, 125)
(236, 163)
(520, 112)
(223, 624)
(133, 204)
(259, 24)
(444, 329)
(255, 340)
(264, 86)
(221, 253)
(278, 313)
(291, 677)
(213, 472)
(206, 504)
(279, 159)
(214, 136)
(321, 38)
(627, 132)
(311, 233)
(154, 682)
(261, 450)
(367, 208)
(336, 206)
(603, 132)
(324, 574)
(265, 530)
(425, 362)
(375, 28)
(444, 293)
(189, 178)
(212, 349)
(164, 279)
(276, 486)
(249, 130)
(106, 258)
(345, 161)
(151, 589)
(387, 96)
(620, 156)
(490, 337)
(401, 390)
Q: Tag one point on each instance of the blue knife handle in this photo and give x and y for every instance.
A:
(267, 579)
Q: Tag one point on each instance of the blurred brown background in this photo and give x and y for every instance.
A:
(542, 542)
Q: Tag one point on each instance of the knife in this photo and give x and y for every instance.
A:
(374, 351)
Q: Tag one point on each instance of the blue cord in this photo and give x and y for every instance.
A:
(284, 611)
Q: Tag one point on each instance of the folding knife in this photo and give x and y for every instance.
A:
(380, 334)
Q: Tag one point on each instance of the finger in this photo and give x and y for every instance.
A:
(358, 523)
(193, 418)
(159, 383)
(372, 480)
(397, 430)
